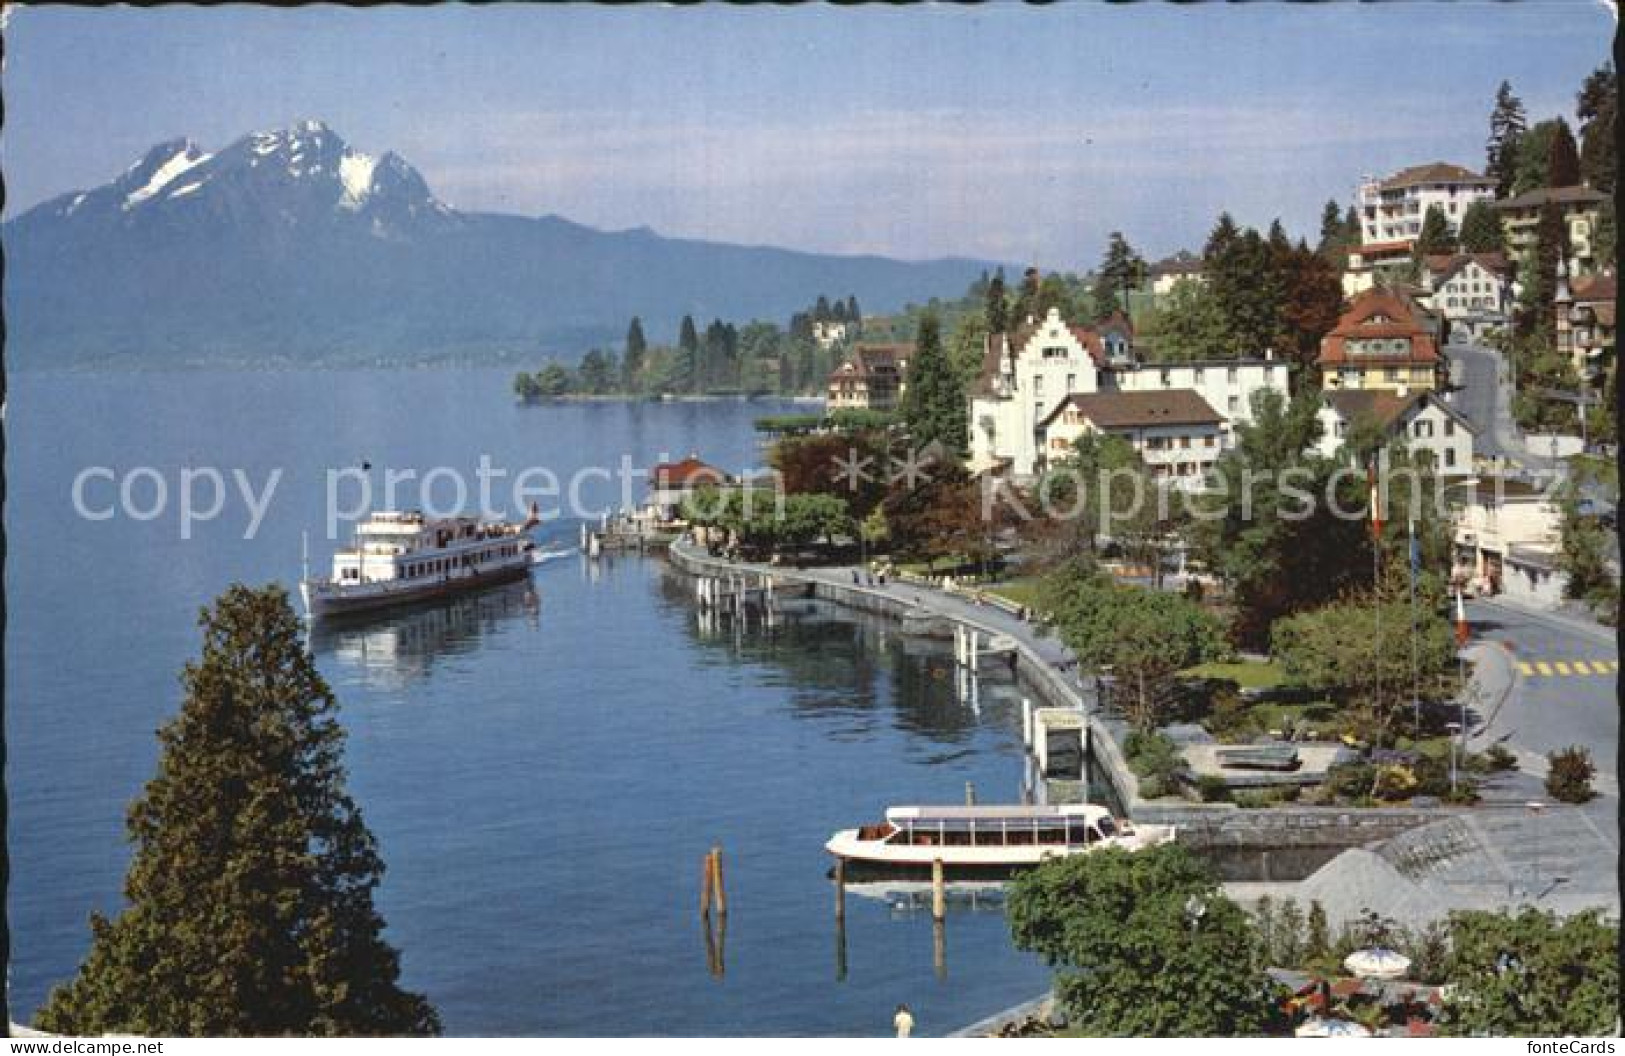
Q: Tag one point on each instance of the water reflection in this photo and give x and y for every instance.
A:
(840, 664)
(394, 649)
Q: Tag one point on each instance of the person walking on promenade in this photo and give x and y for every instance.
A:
(903, 1021)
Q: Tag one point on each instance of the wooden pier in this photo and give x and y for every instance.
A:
(620, 535)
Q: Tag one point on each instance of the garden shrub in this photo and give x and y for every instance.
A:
(1212, 788)
(1569, 779)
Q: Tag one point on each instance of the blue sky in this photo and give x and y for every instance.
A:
(1001, 131)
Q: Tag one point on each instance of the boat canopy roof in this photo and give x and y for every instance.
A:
(411, 522)
(1061, 812)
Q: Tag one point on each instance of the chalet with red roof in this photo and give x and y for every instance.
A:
(672, 482)
(1385, 340)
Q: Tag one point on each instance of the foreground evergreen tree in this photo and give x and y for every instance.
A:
(250, 893)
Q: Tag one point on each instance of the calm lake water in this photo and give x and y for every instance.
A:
(543, 765)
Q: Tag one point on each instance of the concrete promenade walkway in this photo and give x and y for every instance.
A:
(959, 605)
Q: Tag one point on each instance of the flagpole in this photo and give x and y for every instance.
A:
(1462, 634)
(1376, 578)
(1415, 555)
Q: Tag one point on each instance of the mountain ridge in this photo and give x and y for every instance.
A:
(293, 247)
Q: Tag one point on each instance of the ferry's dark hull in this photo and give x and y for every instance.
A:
(335, 606)
(868, 872)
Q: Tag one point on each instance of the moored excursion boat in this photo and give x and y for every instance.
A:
(985, 842)
(402, 557)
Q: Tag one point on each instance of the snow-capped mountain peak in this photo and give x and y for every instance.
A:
(160, 167)
(301, 176)
(355, 173)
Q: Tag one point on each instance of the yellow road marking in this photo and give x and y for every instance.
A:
(1581, 668)
(1543, 667)
(1526, 669)
(1562, 668)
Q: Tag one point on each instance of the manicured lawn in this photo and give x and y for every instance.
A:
(1020, 591)
(1248, 674)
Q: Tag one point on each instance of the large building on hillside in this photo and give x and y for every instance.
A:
(1580, 206)
(874, 378)
(1383, 340)
(1392, 210)
(1026, 375)
(1585, 325)
(1171, 271)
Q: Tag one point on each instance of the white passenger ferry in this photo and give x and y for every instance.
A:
(987, 841)
(399, 557)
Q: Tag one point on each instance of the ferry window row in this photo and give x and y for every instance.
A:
(446, 564)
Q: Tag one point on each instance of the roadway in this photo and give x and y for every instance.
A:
(1546, 682)
(1485, 399)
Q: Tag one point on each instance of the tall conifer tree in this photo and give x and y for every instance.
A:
(934, 407)
(1507, 126)
(250, 895)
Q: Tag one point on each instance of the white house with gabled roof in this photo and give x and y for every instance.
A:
(1027, 374)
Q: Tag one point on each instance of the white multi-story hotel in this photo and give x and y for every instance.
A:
(1392, 210)
(1028, 374)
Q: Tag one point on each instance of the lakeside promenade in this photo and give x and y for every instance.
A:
(1496, 854)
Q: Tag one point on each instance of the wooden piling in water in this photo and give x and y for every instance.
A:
(939, 948)
(970, 793)
(705, 886)
(720, 890)
(840, 889)
(939, 895)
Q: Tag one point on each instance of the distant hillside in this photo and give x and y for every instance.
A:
(291, 247)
